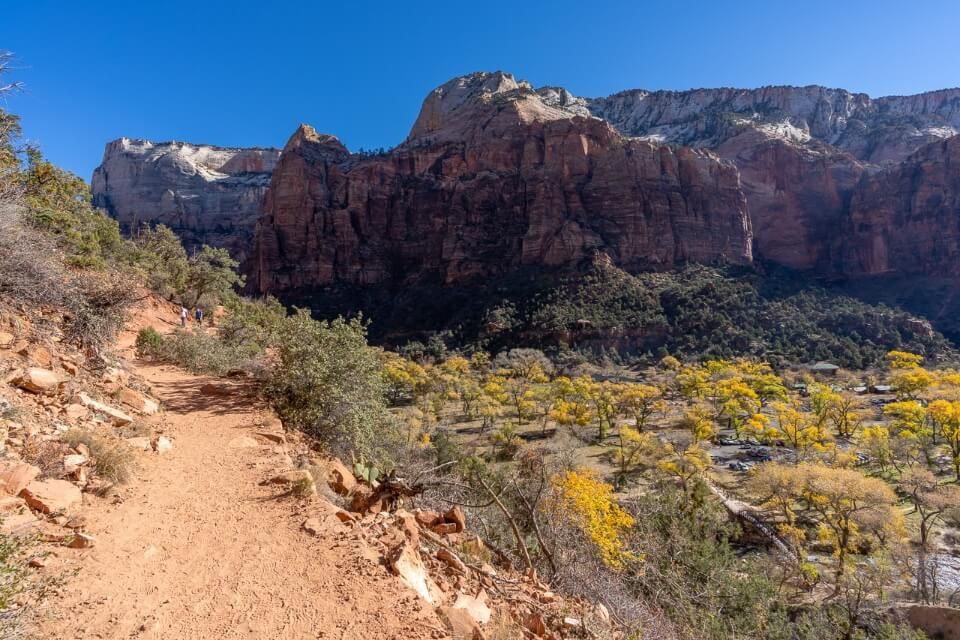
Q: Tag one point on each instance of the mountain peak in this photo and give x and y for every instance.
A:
(462, 91)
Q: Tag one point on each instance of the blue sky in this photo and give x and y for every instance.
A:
(246, 73)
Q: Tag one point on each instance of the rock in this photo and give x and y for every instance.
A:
(205, 194)
(82, 449)
(51, 496)
(243, 442)
(340, 478)
(903, 220)
(19, 524)
(73, 462)
(456, 516)
(428, 518)
(451, 560)
(408, 524)
(39, 356)
(81, 541)
(37, 380)
(276, 438)
(345, 516)
(405, 562)
(75, 411)
(138, 402)
(460, 624)
(534, 624)
(11, 504)
(117, 418)
(478, 609)
(313, 526)
(14, 477)
(141, 443)
(162, 445)
(444, 528)
(6, 339)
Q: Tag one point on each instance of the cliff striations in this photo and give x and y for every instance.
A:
(491, 179)
(207, 195)
(906, 220)
(801, 151)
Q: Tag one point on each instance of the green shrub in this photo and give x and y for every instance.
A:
(329, 383)
(200, 352)
(149, 343)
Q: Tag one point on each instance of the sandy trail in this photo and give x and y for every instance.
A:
(197, 548)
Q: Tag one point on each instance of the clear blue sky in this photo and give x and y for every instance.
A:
(246, 73)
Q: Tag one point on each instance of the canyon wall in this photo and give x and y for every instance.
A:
(206, 194)
(491, 179)
(497, 176)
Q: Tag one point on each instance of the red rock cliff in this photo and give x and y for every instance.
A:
(906, 220)
(491, 179)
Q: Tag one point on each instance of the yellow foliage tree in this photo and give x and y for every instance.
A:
(904, 359)
(699, 422)
(641, 402)
(945, 416)
(596, 512)
(911, 382)
(798, 430)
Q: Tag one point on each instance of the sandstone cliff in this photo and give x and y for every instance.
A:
(800, 150)
(906, 220)
(492, 178)
(207, 195)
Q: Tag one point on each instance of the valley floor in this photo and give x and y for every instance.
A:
(195, 547)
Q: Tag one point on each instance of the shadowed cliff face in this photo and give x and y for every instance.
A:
(206, 195)
(801, 151)
(491, 179)
(906, 220)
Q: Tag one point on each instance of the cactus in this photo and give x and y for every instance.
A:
(366, 471)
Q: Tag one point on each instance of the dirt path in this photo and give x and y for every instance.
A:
(196, 548)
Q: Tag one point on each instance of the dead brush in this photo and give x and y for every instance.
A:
(47, 455)
(503, 627)
(303, 488)
(112, 459)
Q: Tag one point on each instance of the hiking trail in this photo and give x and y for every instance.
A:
(195, 547)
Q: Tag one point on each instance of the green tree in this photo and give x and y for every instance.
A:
(329, 383)
(212, 274)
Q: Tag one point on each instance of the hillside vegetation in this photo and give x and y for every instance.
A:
(602, 312)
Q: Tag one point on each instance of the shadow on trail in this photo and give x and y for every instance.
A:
(209, 395)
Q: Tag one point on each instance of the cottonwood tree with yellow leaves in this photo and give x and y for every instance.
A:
(597, 512)
(850, 508)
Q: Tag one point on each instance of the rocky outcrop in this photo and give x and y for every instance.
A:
(872, 130)
(496, 176)
(207, 195)
(906, 220)
(800, 150)
(492, 178)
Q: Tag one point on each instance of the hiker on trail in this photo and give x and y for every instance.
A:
(198, 316)
(183, 317)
